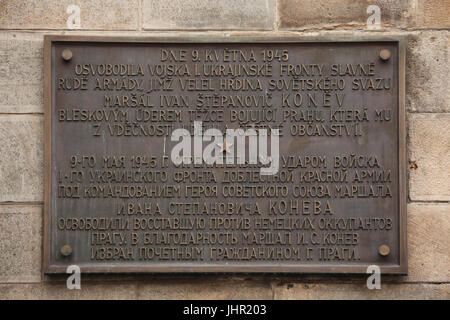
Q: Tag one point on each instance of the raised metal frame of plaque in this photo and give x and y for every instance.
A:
(81, 230)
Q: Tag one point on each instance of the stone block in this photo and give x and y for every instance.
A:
(427, 71)
(342, 291)
(200, 290)
(432, 14)
(59, 291)
(20, 243)
(21, 163)
(428, 242)
(429, 156)
(21, 72)
(204, 14)
(345, 14)
(70, 14)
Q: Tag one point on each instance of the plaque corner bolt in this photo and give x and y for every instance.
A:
(385, 54)
(384, 250)
(66, 250)
(66, 54)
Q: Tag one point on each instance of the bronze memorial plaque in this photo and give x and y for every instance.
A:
(224, 155)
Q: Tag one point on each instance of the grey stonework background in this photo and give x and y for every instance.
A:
(23, 23)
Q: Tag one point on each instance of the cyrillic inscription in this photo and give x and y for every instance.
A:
(232, 157)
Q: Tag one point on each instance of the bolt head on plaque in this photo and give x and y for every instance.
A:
(66, 54)
(66, 250)
(384, 250)
(385, 54)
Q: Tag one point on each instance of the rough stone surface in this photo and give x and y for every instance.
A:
(59, 291)
(21, 72)
(427, 67)
(211, 290)
(428, 242)
(204, 14)
(21, 161)
(49, 14)
(432, 14)
(23, 23)
(20, 243)
(337, 291)
(429, 157)
(331, 14)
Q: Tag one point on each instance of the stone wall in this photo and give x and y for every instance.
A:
(23, 23)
